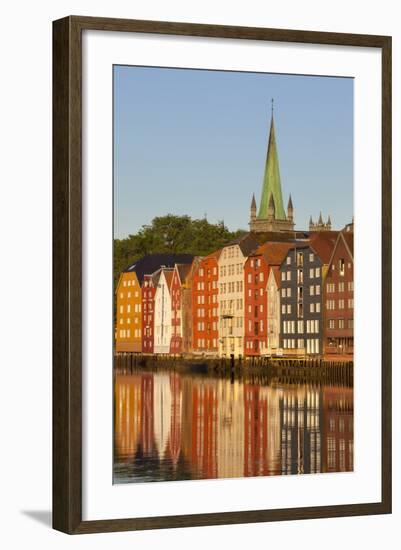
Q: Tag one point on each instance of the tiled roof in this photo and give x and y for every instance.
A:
(274, 252)
(247, 243)
(323, 243)
(152, 262)
(216, 254)
(168, 274)
(183, 270)
(349, 239)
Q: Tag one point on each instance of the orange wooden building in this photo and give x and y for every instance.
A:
(205, 308)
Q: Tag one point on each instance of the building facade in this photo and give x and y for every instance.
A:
(177, 307)
(339, 297)
(205, 306)
(255, 296)
(149, 286)
(257, 268)
(231, 295)
(273, 312)
(301, 302)
(128, 332)
(163, 312)
(129, 314)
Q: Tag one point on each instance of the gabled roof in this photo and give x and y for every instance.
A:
(216, 254)
(247, 243)
(274, 252)
(152, 262)
(275, 270)
(348, 239)
(183, 270)
(323, 243)
(168, 275)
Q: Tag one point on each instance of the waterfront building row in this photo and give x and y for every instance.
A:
(248, 299)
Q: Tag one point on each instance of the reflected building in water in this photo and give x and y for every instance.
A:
(170, 426)
(161, 412)
(338, 429)
(230, 429)
(301, 411)
(174, 441)
(127, 416)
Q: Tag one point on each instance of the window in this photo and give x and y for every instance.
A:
(288, 308)
(288, 275)
(249, 278)
(311, 257)
(350, 323)
(300, 258)
(288, 260)
(300, 309)
(350, 303)
(341, 287)
(312, 290)
(283, 309)
(341, 304)
(121, 294)
(351, 285)
(300, 343)
(288, 292)
(312, 308)
(341, 266)
(330, 304)
(341, 323)
(261, 276)
(300, 276)
(121, 309)
(283, 292)
(300, 327)
(317, 272)
(331, 324)
(318, 307)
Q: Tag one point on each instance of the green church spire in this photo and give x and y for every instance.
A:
(271, 180)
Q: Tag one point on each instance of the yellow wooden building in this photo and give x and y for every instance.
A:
(129, 313)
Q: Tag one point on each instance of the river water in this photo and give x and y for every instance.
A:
(175, 426)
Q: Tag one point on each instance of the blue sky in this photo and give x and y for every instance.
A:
(194, 142)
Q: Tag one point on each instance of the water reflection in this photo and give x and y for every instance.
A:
(171, 426)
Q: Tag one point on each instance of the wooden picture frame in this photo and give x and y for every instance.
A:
(67, 273)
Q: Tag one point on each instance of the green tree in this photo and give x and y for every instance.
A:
(171, 234)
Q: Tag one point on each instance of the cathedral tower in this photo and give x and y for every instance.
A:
(271, 215)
